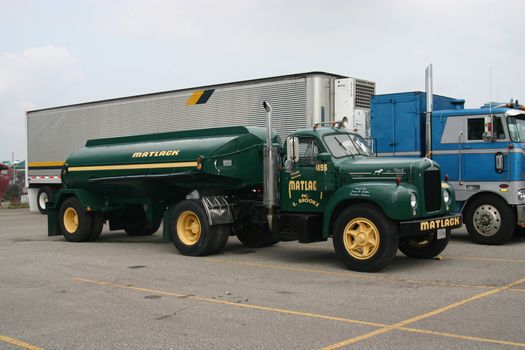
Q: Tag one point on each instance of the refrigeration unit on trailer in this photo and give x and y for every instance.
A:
(299, 100)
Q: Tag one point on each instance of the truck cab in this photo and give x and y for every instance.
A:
(369, 206)
(481, 152)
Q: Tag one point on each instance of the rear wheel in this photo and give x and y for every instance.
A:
(75, 223)
(97, 225)
(190, 232)
(426, 248)
(256, 235)
(490, 220)
(45, 194)
(137, 225)
(364, 238)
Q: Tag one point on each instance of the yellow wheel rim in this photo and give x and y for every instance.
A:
(189, 228)
(361, 238)
(70, 220)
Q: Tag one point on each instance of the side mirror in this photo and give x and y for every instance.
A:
(324, 157)
(488, 134)
(292, 149)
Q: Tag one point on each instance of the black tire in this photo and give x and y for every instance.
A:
(424, 248)
(75, 223)
(256, 236)
(365, 252)
(489, 220)
(14, 194)
(137, 225)
(190, 232)
(97, 225)
(223, 233)
(45, 194)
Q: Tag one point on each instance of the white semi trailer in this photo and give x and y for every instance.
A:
(298, 100)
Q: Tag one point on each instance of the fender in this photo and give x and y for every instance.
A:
(394, 200)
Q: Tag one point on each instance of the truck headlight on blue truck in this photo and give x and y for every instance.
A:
(521, 194)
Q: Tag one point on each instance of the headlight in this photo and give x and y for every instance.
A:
(446, 196)
(413, 200)
(521, 194)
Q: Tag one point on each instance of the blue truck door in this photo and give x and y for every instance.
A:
(479, 155)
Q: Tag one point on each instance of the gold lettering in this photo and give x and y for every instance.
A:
(176, 152)
(136, 155)
(162, 153)
(424, 226)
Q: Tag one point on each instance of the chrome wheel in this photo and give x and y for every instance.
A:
(486, 220)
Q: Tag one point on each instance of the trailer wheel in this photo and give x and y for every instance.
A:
(489, 220)
(256, 236)
(45, 194)
(137, 225)
(364, 238)
(75, 223)
(190, 232)
(427, 248)
(97, 225)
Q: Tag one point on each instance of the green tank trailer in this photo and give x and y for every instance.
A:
(206, 185)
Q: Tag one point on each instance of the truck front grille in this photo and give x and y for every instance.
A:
(432, 184)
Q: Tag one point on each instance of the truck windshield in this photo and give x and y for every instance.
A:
(516, 126)
(342, 145)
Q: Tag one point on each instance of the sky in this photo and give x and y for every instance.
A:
(55, 53)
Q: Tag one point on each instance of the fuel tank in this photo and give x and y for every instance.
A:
(163, 164)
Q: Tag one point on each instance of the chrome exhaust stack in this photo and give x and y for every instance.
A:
(270, 158)
(430, 107)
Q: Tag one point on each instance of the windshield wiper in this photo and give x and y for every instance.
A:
(343, 147)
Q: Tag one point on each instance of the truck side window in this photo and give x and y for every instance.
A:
(475, 128)
(308, 151)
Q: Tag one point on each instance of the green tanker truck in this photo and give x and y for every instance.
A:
(206, 185)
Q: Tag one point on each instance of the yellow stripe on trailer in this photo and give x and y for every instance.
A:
(194, 98)
(44, 164)
(134, 166)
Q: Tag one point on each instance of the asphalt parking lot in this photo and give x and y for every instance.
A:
(140, 293)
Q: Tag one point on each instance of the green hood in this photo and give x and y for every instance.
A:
(369, 168)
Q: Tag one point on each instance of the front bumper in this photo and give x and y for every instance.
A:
(429, 226)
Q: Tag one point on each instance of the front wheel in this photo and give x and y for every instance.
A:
(490, 220)
(426, 248)
(364, 238)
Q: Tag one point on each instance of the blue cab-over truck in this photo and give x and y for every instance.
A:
(481, 152)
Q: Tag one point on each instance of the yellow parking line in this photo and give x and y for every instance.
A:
(18, 343)
(230, 303)
(432, 313)
(347, 274)
(464, 337)
(383, 328)
(521, 261)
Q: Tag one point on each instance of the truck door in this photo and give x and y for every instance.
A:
(479, 152)
(300, 187)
